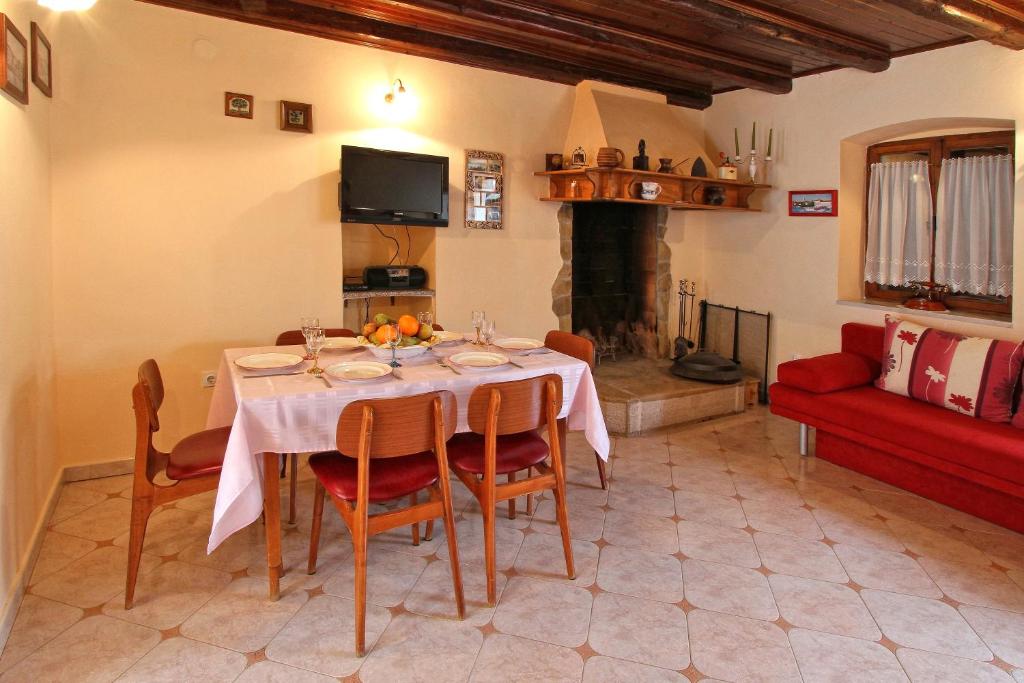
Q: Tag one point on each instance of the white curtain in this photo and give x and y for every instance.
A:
(899, 223)
(974, 228)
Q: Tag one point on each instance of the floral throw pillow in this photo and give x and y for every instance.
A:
(970, 375)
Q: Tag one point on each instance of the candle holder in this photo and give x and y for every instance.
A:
(766, 170)
(752, 165)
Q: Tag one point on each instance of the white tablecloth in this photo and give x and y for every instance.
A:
(299, 414)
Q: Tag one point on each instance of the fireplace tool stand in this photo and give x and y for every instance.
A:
(703, 366)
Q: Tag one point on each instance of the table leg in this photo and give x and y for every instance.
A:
(272, 518)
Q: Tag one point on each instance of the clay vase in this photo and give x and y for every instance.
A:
(610, 157)
(666, 165)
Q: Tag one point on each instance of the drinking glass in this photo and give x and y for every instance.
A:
(394, 337)
(307, 323)
(487, 330)
(315, 341)
(478, 318)
(425, 318)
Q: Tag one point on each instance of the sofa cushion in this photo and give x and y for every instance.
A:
(971, 375)
(831, 372)
(996, 449)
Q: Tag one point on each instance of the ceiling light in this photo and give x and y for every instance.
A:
(67, 5)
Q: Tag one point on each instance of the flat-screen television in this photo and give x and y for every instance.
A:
(393, 188)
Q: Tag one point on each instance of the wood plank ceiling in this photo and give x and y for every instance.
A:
(686, 49)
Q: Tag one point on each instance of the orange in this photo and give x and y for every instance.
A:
(409, 325)
(384, 334)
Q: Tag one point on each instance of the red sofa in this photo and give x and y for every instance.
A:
(969, 464)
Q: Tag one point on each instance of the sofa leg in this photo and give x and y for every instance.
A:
(804, 429)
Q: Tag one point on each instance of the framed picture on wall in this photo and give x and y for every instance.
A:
(814, 202)
(42, 61)
(13, 61)
(297, 117)
(238, 105)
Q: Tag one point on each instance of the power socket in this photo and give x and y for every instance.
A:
(208, 379)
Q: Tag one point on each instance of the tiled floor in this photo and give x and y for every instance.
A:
(717, 554)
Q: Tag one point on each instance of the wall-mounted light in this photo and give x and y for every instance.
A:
(397, 93)
(67, 5)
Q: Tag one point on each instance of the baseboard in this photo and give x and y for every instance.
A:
(98, 470)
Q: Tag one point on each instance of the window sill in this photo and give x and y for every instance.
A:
(972, 318)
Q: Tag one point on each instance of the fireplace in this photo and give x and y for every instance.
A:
(615, 280)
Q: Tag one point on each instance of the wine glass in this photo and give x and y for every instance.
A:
(487, 330)
(307, 323)
(315, 341)
(394, 338)
(425, 318)
(478, 318)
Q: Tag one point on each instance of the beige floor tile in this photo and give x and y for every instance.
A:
(544, 610)
(120, 484)
(267, 671)
(434, 595)
(179, 659)
(400, 540)
(74, 500)
(1005, 548)
(642, 449)
(508, 658)
(827, 658)
(799, 557)
(730, 590)
(1017, 576)
(58, 551)
(334, 553)
(541, 556)
(738, 649)
(942, 544)
(576, 496)
(585, 474)
(99, 648)
(866, 532)
(608, 670)
(928, 667)
(93, 579)
(470, 533)
(641, 472)
(718, 544)
(389, 577)
(204, 502)
(688, 457)
(243, 548)
(627, 496)
(1018, 675)
(770, 490)
(837, 501)
(39, 621)
(823, 606)
(241, 617)
(585, 523)
(924, 624)
(168, 594)
(101, 522)
(884, 570)
(1001, 631)
(972, 523)
(641, 631)
(646, 532)
(421, 650)
(710, 508)
(764, 466)
(321, 637)
(171, 530)
(909, 507)
(702, 480)
(974, 584)
(792, 521)
(698, 440)
(641, 574)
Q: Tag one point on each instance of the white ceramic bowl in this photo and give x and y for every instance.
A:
(384, 352)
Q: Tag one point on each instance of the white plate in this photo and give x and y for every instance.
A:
(268, 361)
(446, 337)
(341, 344)
(358, 371)
(519, 344)
(479, 360)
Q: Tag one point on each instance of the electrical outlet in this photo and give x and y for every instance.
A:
(208, 379)
(797, 356)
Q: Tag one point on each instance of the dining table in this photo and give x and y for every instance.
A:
(273, 412)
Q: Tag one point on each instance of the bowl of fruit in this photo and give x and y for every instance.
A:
(414, 338)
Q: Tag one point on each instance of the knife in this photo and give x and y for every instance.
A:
(274, 374)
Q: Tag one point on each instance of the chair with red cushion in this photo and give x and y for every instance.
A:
(505, 419)
(388, 449)
(193, 465)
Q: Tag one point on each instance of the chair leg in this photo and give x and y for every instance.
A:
(561, 509)
(413, 497)
(448, 517)
(511, 501)
(314, 532)
(293, 486)
(141, 510)
(489, 553)
(529, 496)
(359, 546)
(429, 534)
(600, 471)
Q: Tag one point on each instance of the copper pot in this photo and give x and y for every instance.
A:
(610, 157)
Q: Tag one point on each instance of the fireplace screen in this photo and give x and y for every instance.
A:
(740, 335)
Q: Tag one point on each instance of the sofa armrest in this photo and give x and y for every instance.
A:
(832, 372)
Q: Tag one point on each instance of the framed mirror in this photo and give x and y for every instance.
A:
(485, 206)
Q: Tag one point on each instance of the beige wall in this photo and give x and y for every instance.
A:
(791, 266)
(28, 459)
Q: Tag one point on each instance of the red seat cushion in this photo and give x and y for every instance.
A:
(198, 455)
(832, 372)
(993, 448)
(389, 477)
(515, 452)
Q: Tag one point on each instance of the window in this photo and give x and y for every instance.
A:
(940, 209)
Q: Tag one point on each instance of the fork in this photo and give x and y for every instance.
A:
(440, 361)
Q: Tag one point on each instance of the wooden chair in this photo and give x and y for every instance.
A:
(583, 349)
(388, 449)
(505, 419)
(193, 465)
(295, 338)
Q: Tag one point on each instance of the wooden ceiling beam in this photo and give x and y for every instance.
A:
(336, 25)
(765, 23)
(1000, 23)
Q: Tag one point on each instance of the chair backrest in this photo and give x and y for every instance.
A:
(294, 337)
(147, 397)
(521, 405)
(151, 384)
(571, 345)
(397, 426)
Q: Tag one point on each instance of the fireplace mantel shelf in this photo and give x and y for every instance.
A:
(679, 192)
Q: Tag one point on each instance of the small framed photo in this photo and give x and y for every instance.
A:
(297, 117)
(814, 202)
(13, 61)
(552, 162)
(238, 105)
(42, 61)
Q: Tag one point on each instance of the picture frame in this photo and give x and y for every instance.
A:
(296, 116)
(14, 59)
(42, 60)
(485, 195)
(238, 106)
(813, 203)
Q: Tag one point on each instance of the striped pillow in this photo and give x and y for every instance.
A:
(971, 375)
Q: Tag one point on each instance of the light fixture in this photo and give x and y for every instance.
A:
(397, 93)
(67, 5)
